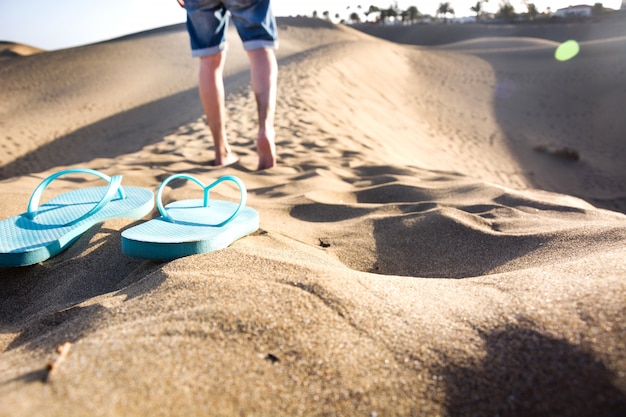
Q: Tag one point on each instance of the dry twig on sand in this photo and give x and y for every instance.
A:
(63, 351)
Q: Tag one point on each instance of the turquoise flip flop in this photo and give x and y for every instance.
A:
(45, 230)
(191, 227)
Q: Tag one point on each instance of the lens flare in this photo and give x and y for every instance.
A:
(567, 50)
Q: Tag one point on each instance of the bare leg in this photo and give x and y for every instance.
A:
(263, 74)
(211, 86)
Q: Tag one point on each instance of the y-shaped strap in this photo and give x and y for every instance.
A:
(206, 189)
(114, 188)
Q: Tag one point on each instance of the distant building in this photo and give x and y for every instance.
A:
(578, 12)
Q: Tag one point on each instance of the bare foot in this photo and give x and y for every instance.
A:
(225, 160)
(266, 149)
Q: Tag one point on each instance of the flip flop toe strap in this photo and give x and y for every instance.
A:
(206, 189)
(113, 189)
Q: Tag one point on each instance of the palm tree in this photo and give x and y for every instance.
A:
(391, 12)
(386, 13)
(532, 11)
(506, 11)
(445, 9)
(477, 9)
(372, 9)
(412, 13)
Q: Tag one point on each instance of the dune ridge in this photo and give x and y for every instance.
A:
(10, 50)
(413, 256)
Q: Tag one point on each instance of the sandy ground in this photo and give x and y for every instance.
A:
(444, 233)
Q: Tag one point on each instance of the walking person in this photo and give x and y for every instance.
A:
(207, 22)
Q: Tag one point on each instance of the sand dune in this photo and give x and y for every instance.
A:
(11, 50)
(425, 249)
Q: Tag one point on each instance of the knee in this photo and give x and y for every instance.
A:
(213, 62)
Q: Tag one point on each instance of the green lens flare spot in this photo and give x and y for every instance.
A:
(567, 50)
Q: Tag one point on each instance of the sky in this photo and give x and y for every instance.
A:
(51, 25)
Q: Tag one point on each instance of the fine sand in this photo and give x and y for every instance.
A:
(444, 233)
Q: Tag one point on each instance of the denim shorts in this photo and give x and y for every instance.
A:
(207, 21)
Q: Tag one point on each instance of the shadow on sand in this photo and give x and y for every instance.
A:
(42, 302)
(117, 135)
(526, 373)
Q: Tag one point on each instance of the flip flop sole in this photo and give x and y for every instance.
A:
(25, 241)
(160, 239)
